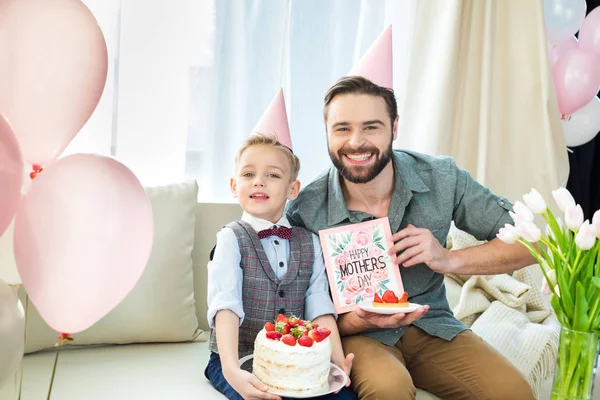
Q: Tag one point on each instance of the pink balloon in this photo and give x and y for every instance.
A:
(82, 239)
(11, 175)
(555, 52)
(52, 74)
(576, 79)
(589, 35)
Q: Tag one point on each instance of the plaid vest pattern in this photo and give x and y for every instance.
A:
(263, 295)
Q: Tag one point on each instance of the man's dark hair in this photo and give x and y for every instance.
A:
(360, 85)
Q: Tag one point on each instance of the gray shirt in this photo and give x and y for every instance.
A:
(429, 192)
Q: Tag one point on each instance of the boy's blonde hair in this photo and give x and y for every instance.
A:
(256, 139)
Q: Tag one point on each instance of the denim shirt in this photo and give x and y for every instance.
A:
(429, 192)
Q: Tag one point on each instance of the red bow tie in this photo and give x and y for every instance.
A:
(282, 232)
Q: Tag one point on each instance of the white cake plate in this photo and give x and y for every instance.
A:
(337, 380)
(368, 306)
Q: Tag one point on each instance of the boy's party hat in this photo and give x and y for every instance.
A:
(274, 121)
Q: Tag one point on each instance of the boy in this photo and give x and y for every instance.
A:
(242, 295)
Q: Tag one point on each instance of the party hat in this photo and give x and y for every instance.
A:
(377, 63)
(275, 122)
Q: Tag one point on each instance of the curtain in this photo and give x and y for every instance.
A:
(301, 46)
(189, 79)
(480, 90)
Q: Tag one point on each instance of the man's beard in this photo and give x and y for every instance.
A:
(365, 173)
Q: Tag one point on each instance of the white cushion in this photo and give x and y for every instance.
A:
(161, 307)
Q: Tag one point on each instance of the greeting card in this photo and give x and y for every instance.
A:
(358, 264)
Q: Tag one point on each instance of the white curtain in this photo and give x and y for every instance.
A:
(188, 79)
(480, 90)
(302, 46)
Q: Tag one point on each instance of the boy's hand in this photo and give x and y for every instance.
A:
(346, 366)
(249, 386)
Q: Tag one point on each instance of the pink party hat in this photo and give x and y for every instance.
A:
(377, 63)
(275, 122)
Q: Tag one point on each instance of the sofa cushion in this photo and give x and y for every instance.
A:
(210, 218)
(161, 307)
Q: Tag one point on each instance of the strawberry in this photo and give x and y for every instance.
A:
(324, 332)
(296, 332)
(389, 297)
(273, 335)
(305, 341)
(269, 326)
(302, 329)
(293, 321)
(404, 298)
(315, 335)
(289, 340)
(282, 327)
(377, 299)
(315, 326)
(309, 325)
(302, 322)
(281, 318)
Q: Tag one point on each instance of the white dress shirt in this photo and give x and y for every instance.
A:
(225, 275)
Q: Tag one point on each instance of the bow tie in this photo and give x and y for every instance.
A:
(282, 232)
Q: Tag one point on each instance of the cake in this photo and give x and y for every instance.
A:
(389, 299)
(293, 355)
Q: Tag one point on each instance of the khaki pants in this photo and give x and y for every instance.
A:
(464, 368)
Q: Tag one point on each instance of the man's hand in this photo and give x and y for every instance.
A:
(418, 245)
(375, 320)
(248, 385)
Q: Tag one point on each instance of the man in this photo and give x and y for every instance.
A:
(421, 195)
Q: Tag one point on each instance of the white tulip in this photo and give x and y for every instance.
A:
(545, 288)
(586, 237)
(529, 231)
(509, 234)
(563, 198)
(535, 201)
(596, 223)
(523, 212)
(517, 219)
(574, 217)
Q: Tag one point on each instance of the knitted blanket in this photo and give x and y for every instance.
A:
(511, 314)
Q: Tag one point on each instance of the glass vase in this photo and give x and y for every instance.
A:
(576, 365)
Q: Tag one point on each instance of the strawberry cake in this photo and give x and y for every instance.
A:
(389, 299)
(293, 355)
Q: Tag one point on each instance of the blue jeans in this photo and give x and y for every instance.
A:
(214, 373)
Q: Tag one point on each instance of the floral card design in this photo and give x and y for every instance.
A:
(358, 264)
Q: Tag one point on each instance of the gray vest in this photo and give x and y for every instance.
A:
(263, 295)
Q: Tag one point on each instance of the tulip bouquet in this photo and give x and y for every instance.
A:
(569, 255)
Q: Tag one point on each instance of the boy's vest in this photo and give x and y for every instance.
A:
(263, 295)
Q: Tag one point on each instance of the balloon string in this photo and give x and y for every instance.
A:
(25, 343)
(53, 375)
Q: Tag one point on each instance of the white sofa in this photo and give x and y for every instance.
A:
(96, 371)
